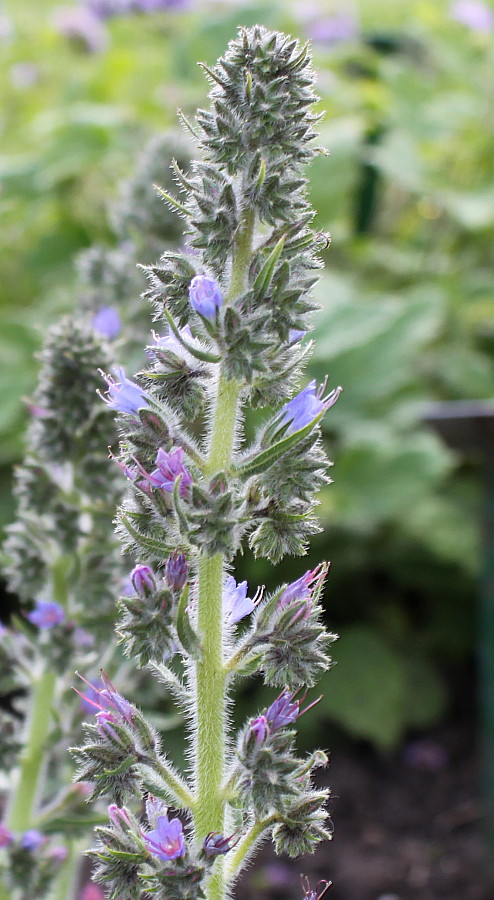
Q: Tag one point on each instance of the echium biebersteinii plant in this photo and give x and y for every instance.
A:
(233, 315)
(64, 564)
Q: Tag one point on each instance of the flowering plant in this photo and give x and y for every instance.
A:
(235, 309)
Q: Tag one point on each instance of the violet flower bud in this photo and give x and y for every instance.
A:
(123, 395)
(259, 728)
(215, 844)
(118, 816)
(205, 296)
(176, 571)
(46, 614)
(283, 711)
(143, 581)
(167, 840)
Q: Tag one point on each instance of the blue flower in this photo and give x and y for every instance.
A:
(167, 840)
(237, 602)
(170, 342)
(302, 409)
(205, 296)
(106, 321)
(124, 395)
(46, 614)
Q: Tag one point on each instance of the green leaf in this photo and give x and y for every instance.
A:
(262, 461)
(186, 634)
(263, 280)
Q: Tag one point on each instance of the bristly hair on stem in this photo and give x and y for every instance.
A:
(235, 314)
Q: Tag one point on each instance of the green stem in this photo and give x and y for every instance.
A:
(64, 883)
(174, 784)
(25, 794)
(247, 843)
(210, 676)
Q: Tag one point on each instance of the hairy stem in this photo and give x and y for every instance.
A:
(210, 678)
(246, 844)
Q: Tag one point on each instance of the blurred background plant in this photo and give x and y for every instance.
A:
(407, 297)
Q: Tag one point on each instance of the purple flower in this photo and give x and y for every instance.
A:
(124, 395)
(6, 836)
(259, 727)
(107, 700)
(143, 580)
(169, 467)
(46, 614)
(302, 409)
(81, 25)
(31, 839)
(88, 700)
(106, 321)
(237, 602)
(283, 711)
(302, 588)
(295, 334)
(170, 343)
(475, 14)
(176, 571)
(167, 841)
(215, 844)
(205, 296)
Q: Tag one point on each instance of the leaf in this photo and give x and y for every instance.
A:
(186, 634)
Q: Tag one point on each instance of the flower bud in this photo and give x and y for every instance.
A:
(205, 296)
(215, 844)
(176, 571)
(143, 580)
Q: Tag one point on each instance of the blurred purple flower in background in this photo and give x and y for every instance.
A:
(475, 14)
(80, 25)
(106, 321)
(46, 614)
(333, 29)
(31, 839)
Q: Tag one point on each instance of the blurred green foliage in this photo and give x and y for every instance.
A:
(407, 299)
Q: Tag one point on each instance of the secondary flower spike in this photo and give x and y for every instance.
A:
(123, 395)
(205, 296)
(167, 840)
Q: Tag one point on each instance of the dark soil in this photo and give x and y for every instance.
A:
(405, 828)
